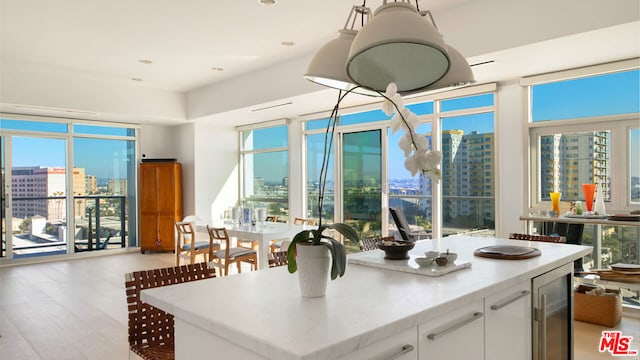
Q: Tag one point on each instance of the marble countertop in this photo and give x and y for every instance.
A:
(264, 312)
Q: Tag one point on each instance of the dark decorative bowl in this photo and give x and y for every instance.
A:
(397, 251)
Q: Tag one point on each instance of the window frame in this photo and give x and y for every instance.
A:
(434, 118)
(618, 125)
(69, 136)
(242, 153)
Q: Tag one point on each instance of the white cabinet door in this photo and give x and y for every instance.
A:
(401, 346)
(508, 324)
(457, 334)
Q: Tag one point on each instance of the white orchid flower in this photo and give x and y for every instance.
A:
(420, 142)
(387, 106)
(406, 144)
(411, 118)
(434, 158)
(396, 123)
(392, 89)
(392, 100)
(419, 159)
(435, 175)
(412, 165)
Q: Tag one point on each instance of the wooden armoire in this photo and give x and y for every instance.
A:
(160, 196)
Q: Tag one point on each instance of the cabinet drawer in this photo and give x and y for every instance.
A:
(457, 334)
(508, 324)
(401, 346)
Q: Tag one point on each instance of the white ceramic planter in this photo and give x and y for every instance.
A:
(313, 269)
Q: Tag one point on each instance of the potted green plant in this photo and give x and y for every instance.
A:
(311, 251)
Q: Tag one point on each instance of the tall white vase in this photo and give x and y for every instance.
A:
(313, 269)
(599, 208)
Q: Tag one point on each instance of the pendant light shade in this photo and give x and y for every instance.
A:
(398, 45)
(459, 74)
(327, 66)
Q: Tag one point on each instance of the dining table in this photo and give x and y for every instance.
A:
(263, 233)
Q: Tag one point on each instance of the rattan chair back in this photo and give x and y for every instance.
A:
(151, 329)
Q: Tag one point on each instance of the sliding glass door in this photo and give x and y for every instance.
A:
(67, 187)
(362, 181)
(38, 196)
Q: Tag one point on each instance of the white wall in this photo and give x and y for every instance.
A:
(216, 169)
(185, 153)
(157, 142)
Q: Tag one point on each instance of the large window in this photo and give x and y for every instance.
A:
(600, 146)
(467, 204)
(584, 128)
(265, 169)
(412, 194)
(73, 186)
(468, 173)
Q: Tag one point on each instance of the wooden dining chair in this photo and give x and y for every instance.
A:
(278, 258)
(544, 238)
(253, 244)
(151, 330)
(229, 255)
(186, 245)
(301, 221)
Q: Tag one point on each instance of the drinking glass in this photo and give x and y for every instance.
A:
(589, 190)
(555, 202)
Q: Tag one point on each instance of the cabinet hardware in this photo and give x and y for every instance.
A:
(475, 316)
(405, 349)
(499, 306)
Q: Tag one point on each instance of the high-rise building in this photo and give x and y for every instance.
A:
(569, 160)
(468, 167)
(90, 184)
(117, 186)
(32, 186)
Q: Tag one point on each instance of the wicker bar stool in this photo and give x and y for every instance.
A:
(151, 329)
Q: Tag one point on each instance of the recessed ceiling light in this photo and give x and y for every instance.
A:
(144, 61)
(287, 43)
(217, 68)
(136, 79)
(267, 2)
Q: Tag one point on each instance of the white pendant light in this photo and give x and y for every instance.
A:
(459, 75)
(327, 66)
(397, 45)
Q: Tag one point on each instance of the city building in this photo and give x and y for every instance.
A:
(32, 188)
(570, 160)
(117, 186)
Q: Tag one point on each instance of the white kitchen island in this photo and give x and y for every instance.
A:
(369, 313)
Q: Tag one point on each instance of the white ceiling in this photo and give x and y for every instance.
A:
(105, 40)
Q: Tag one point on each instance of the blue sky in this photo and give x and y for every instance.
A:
(101, 158)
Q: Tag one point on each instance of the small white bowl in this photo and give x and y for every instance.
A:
(431, 254)
(424, 261)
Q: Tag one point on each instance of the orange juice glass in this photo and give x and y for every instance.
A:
(589, 191)
(555, 201)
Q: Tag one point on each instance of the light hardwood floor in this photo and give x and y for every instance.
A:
(76, 309)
